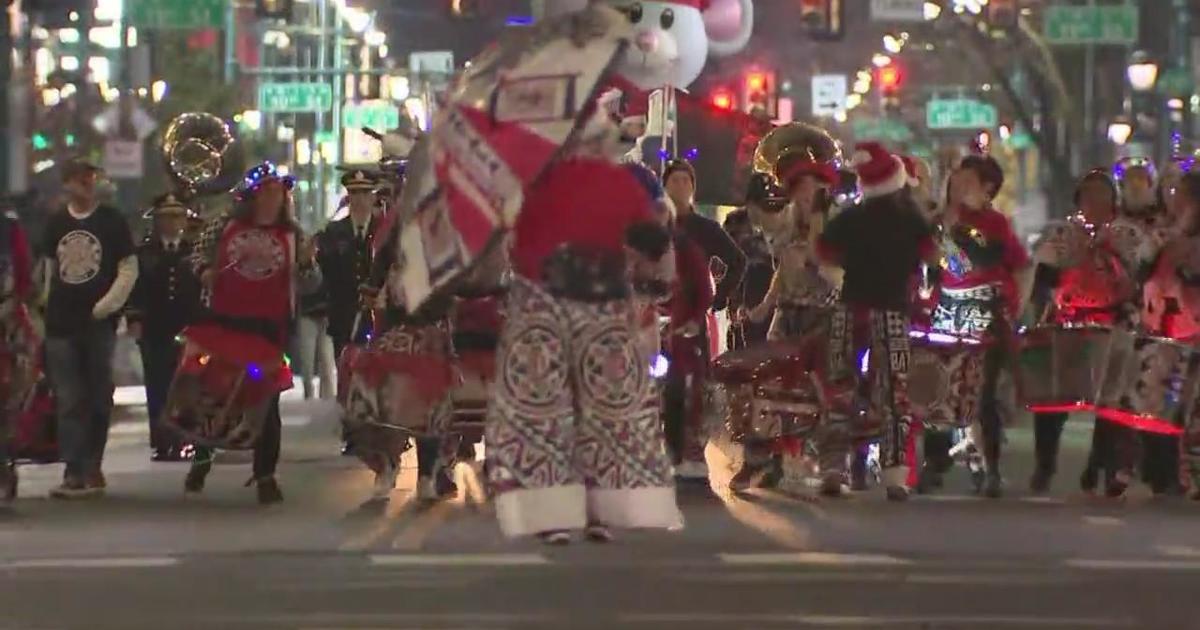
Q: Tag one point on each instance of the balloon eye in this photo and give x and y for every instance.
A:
(667, 20)
(634, 11)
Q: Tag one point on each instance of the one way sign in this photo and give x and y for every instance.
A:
(829, 94)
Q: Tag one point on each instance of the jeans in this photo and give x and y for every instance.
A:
(160, 357)
(80, 368)
(316, 356)
(428, 451)
(266, 449)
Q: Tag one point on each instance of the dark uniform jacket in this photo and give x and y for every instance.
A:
(345, 261)
(167, 294)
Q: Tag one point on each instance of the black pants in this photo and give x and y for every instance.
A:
(990, 420)
(160, 357)
(428, 450)
(1160, 461)
(266, 449)
(1113, 447)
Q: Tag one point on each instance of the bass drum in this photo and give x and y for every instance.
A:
(1152, 386)
(1062, 368)
(945, 377)
(771, 390)
(221, 378)
(1063, 244)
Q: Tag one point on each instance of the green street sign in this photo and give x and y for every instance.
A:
(175, 14)
(1176, 82)
(280, 98)
(1075, 25)
(960, 113)
(886, 130)
(325, 137)
(377, 114)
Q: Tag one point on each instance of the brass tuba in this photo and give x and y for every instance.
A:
(791, 141)
(202, 155)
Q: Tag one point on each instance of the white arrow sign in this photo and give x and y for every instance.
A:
(829, 94)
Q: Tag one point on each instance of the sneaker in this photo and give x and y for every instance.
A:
(1089, 480)
(268, 491)
(426, 489)
(555, 538)
(897, 493)
(692, 470)
(833, 486)
(598, 533)
(385, 481)
(97, 480)
(194, 482)
(75, 488)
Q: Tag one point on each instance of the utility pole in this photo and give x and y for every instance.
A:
(6, 70)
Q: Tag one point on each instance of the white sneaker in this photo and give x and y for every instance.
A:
(426, 489)
(692, 470)
(385, 482)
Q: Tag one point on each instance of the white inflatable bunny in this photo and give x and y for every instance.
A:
(673, 38)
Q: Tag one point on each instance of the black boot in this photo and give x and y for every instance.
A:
(268, 491)
(8, 483)
(194, 482)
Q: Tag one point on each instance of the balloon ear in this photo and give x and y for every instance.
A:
(729, 24)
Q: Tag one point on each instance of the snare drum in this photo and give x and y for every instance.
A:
(1152, 387)
(221, 375)
(1062, 368)
(770, 390)
(945, 377)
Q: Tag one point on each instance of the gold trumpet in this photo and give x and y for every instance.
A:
(792, 141)
(202, 155)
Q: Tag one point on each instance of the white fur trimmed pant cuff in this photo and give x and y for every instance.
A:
(635, 508)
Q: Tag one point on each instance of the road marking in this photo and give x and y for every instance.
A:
(147, 562)
(862, 621)
(810, 558)
(1135, 564)
(892, 577)
(458, 560)
(1178, 551)
(1103, 521)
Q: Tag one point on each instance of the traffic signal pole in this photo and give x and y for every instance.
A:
(6, 70)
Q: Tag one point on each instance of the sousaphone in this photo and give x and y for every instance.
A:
(793, 141)
(202, 155)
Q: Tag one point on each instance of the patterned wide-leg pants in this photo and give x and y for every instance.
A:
(572, 429)
(886, 334)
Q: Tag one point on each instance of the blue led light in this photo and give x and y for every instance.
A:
(519, 20)
(254, 371)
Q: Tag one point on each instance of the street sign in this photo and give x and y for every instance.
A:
(960, 113)
(885, 130)
(898, 10)
(123, 159)
(295, 97)
(1075, 25)
(175, 14)
(431, 62)
(379, 115)
(829, 94)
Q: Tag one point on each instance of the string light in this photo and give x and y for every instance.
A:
(254, 371)
(204, 359)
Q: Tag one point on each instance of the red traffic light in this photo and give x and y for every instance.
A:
(756, 82)
(890, 77)
(722, 99)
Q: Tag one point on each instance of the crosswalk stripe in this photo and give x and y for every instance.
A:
(810, 558)
(868, 621)
(1135, 564)
(147, 562)
(458, 560)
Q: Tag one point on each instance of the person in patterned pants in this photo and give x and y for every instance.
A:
(880, 244)
(572, 432)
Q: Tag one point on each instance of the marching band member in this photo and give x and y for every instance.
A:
(1172, 308)
(1139, 197)
(803, 290)
(1070, 296)
(345, 254)
(980, 294)
(879, 244)
(572, 432)
(165, 299)
(19, 350)
(760, 268)
(253, 262)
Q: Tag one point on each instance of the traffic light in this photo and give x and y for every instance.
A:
(822, 19)
(722, 99)
(1003, 14)
(759, 91)
(890, 79)
(273, 9)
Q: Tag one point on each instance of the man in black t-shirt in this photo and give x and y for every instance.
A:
(93, 268)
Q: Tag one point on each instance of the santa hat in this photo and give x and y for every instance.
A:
(879, 172)
(791, 170)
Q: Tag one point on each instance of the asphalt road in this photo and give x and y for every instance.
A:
(146, 557)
